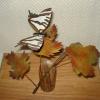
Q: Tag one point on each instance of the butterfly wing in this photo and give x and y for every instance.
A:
(41, 21)
(34, 42)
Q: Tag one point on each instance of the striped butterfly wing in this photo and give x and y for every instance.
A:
(34, 42)
(41, 21)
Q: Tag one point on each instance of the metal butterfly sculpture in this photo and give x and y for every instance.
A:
(40, 22)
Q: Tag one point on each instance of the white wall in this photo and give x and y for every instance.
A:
(77, 21)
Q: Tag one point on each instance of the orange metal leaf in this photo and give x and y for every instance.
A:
(19, 65)
(50, 48)
(83, 58)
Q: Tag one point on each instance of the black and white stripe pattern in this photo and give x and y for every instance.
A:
(34, 42)
(40, 21)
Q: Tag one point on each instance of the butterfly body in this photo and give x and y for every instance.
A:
(40, 23)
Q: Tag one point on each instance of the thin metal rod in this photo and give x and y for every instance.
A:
(30, 80)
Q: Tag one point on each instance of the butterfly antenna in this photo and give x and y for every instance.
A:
(17, 45)
(29, 12)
